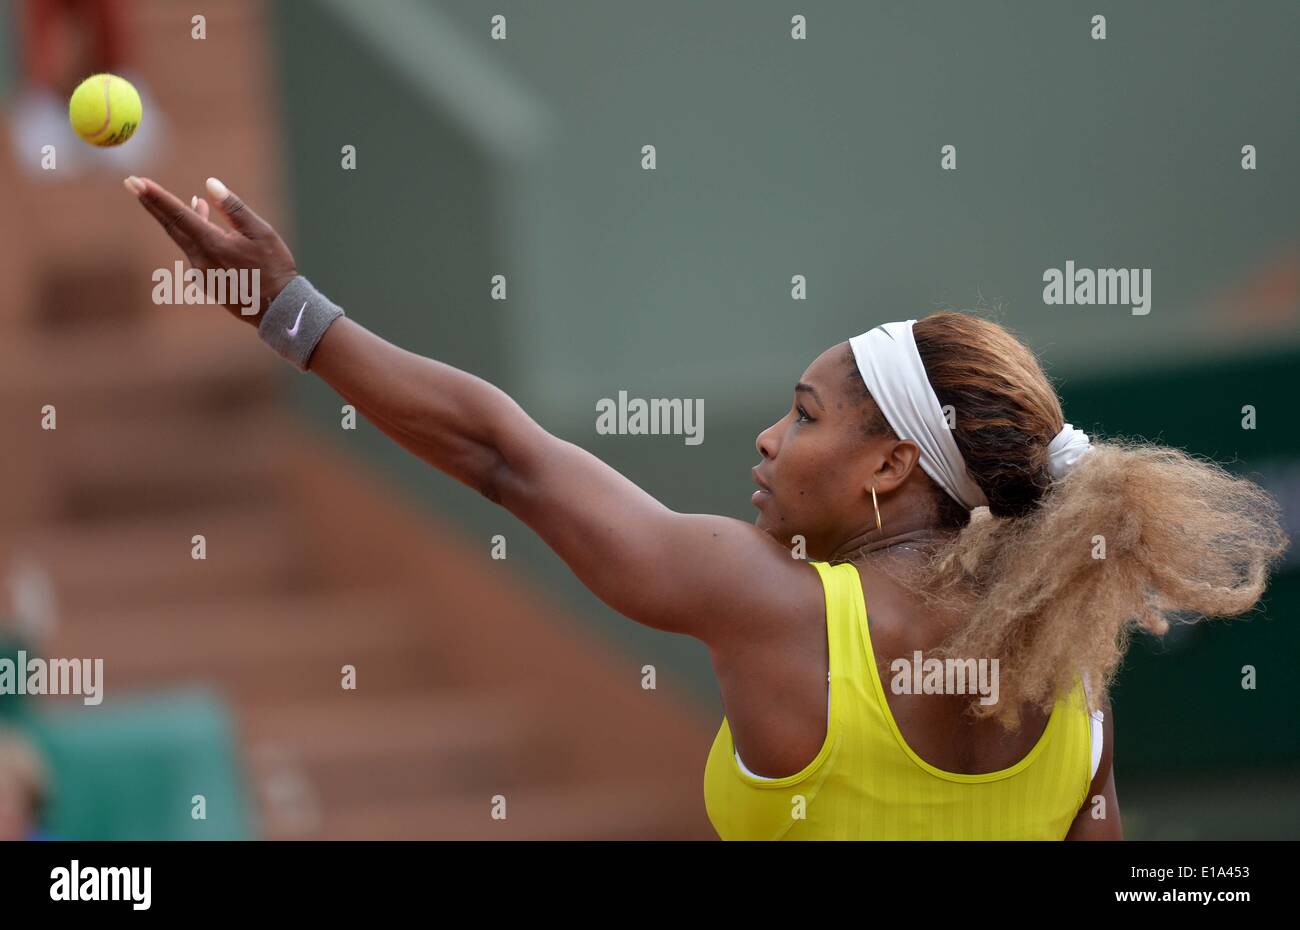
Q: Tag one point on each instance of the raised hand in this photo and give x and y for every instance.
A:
(249, 244)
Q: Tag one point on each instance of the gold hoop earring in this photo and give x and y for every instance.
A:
(875, 507)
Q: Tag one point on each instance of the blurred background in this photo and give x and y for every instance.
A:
(475, 157)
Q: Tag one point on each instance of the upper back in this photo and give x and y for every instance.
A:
(936, 724)
(868, 779)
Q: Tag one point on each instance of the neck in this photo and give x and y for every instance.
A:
(918, 530)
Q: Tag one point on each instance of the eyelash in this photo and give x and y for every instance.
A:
(803, 414)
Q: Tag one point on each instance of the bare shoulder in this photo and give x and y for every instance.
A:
(756, 589)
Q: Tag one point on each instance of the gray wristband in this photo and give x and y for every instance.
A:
(296, 320)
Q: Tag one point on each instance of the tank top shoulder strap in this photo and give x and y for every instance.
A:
(845, 619)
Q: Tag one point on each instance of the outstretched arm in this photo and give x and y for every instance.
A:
(706, 576)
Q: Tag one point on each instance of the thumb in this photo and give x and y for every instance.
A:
(240, 214)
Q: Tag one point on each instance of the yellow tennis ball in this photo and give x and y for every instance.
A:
(104, 109)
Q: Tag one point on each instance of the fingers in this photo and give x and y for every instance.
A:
(177, 235)
(201, 206)
(240, 214)
(187, 228)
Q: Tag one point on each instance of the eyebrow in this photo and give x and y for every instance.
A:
(802, 388)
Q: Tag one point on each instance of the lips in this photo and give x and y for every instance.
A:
(763, 491)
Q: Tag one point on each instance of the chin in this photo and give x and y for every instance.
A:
(760, 522)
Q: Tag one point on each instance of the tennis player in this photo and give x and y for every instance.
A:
(922, 500)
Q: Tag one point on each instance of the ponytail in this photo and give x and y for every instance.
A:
(1136, 536)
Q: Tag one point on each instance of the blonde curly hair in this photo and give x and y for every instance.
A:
(1055, 575)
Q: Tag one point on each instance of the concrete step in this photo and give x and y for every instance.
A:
(602, 808)
(251, 549)
(355, 746)
(139, 465)
(63, 296)
(264, 648)
(190, 365)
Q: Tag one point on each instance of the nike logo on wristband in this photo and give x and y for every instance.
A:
(297, 322)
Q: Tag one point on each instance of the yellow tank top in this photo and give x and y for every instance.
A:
(867, 783)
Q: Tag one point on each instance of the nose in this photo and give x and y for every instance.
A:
(767, 441)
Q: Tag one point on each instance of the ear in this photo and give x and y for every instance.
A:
(897, 463)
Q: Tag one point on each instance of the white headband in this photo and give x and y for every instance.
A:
(892, 369)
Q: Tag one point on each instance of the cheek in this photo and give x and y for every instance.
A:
(809, 484)
(826, 482)
(792, 475)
